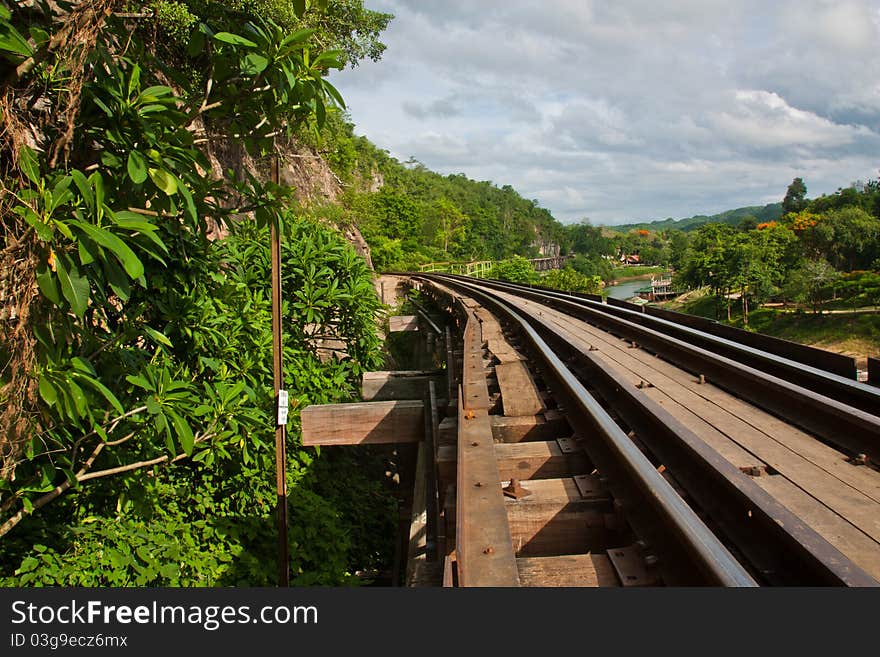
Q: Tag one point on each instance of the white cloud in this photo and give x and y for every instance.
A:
(633, 109)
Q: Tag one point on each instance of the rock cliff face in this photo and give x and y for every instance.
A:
(300, 167)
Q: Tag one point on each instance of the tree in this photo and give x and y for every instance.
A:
(569, 280)
(810, 282)
(143, 397)
(516, 270)
(795, 196)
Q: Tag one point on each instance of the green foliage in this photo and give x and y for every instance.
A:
(795, 197)
(569, 280)
(592, 265)
(770, 212)
(153, 342)
(516, 270)
(175, 20)
(414, 216)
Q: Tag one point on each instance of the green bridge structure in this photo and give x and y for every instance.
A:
(479, 268)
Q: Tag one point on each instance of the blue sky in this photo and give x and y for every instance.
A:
(633, 109)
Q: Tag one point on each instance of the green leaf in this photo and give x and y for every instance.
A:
(153, 407)
(117, 559)
(12, 41)
(97, 181)
(135, 81)
(47, 391)
(190, 202)
(158, 337)
(78, 396)
(334, 93)
(132, 264)
(27, 565)
(253, 64)
(234, 39)
(297, 37)
(85, 189)
(196, 43)
(169, 570)
(29, 165)
(48, 285)
(103, 390)
(154, 93)
(164, 181)
(140, 382)
(84, 366)
(183, 431)
(299, 6)
(137, 167)
(74, 286)
(87, 250)
(39, 35)
(118, 280)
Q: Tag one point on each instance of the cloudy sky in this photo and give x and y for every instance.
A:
(629, 109)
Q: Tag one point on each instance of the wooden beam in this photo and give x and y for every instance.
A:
(537, 460)
(403, 323)
(400, 384)
(519, 395)
(584, 570)
(548, 426)
(557, 519)
(484, 552)
(363, 423)
(418, 535)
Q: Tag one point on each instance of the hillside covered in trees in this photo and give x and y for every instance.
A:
(411, 215)
(136, 399)
(751, 214)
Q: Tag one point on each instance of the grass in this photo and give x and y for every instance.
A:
(855, 335)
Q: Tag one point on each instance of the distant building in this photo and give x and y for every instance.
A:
(632, 259)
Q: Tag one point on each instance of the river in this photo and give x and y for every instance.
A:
(627, 289)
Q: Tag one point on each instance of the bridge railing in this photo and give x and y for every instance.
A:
(480, 268)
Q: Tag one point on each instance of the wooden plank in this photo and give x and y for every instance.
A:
(537, 459)
(549, 426)
(448, 571)
(581, 570)
(403, 323)
(519, 395)
(447, 463)
(557, 519)
(363, 423)
(494, 338)
(400, 384)
(855, 544)
(731, 425)
(418, 534)
(484, 551)
(448, 431)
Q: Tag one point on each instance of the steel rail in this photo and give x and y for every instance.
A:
(845, 390)
(777, 544)
(849, 428)
(689, 553)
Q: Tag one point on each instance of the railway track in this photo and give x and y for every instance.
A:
(595, 446)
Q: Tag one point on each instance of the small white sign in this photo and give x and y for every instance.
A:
(282, 407)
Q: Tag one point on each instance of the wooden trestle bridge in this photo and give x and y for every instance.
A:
(571, 441)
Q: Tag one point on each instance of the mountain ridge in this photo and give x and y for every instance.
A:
(761, 213)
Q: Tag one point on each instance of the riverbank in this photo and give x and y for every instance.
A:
(626, 274)
(854, 334)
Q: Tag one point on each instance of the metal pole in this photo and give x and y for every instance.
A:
(280, 429)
